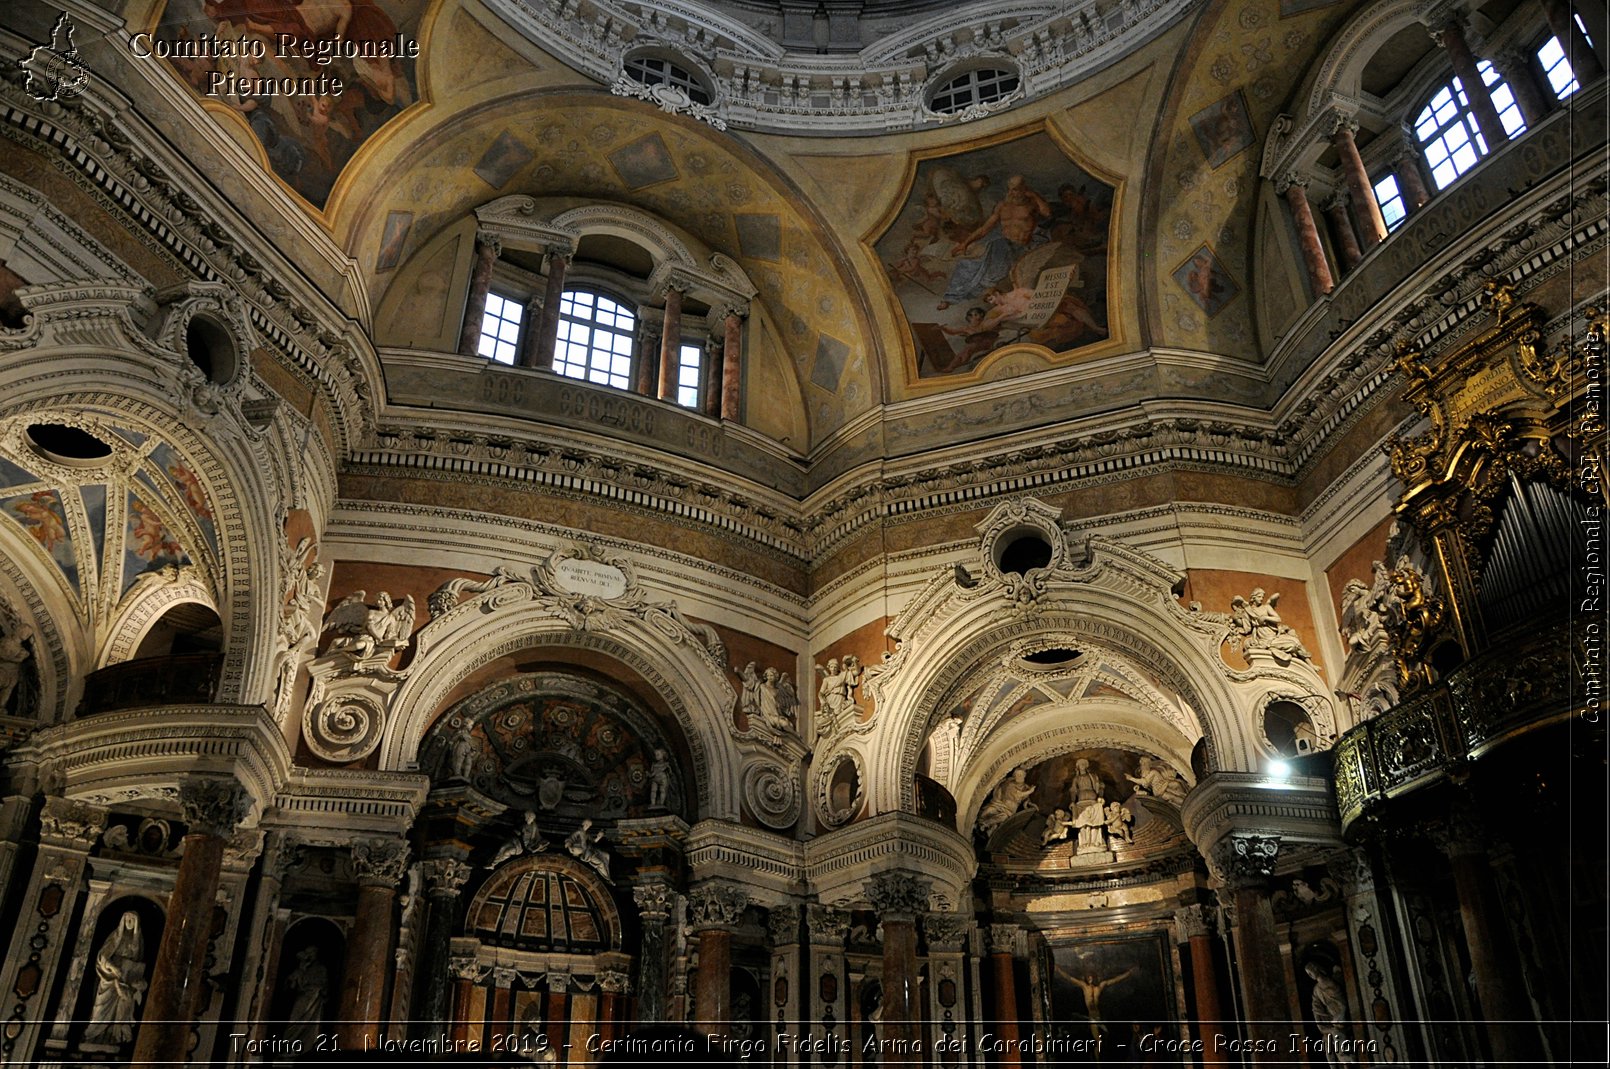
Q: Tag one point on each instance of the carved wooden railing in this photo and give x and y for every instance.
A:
(187, 679)
(1503, 693)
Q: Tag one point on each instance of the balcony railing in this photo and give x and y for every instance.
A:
(188, 679)
(1479, 705)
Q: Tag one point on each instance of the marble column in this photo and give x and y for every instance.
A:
(1366, 212)
(487, 250)
(1515, 66)
(282, 853)
(555, 1010)
(1585, 62)
(1449, 32)
(671, 344)
(714, 910)
(783, 1000)
(379, 865)
(67, 831)
(655, 901)
(1195, 924)
(15, 810)
(212, 810)
(1244, 863)
(1341, 228)
(646, 365)
(542, 336)
(710, 391)
(828, 928)
(613, 987)
(732, 350)
(1294, 189)
(445, 876)
(1511, 1028)
(946, 935)
(1411, 180)
(465, 973)
(898, 898)
(1003, 973)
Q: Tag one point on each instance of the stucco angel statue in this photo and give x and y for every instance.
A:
(1258, 623)
(365, 631)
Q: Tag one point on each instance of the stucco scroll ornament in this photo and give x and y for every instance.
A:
(668, 98)
(771, 792)
(353, 681)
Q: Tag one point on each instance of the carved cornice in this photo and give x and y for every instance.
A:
(309, 335)
(767, 863)
(1251, 806)
(839, 865)
(767, 81)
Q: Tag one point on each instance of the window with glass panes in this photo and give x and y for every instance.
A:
(500, 328)
(689, 375)
(1447, 129)
(1390, 198)
(595, 339)
(1557, 65)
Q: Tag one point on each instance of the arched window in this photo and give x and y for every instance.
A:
(595, 339)
(655, 70)
(1447, 129)
(984, 85)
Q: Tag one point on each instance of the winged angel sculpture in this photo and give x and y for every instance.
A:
(369, 632)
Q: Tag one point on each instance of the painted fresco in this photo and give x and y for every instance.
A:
(997, 246)
(190, 491)
(308, 138)
(41, 515)
(1112, 990)
(148, 543)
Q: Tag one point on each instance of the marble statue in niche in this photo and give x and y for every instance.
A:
(1328, 1004)
(1160, 782)
(120, 983)
(768, 699)
(308, 983)
(659, 780)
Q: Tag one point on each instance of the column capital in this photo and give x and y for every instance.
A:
(1459, 834)
(717, 904)
(379, 861)
(782, 925)
(242, 849)
(1508, 61)
(445, 876)
(615, 983)
(72, 824)
(1290, 180)
(1337, 201)
(946, 931)
(464, 967)
(1439, 16)
(899, 895)
(1002, 938)
(828, 925)
(1352, 871)
(488, 244)
(1337, 124)
(558, 982)
(1244, 861)
(655, 899)
(213, 806)
(1195, 920)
